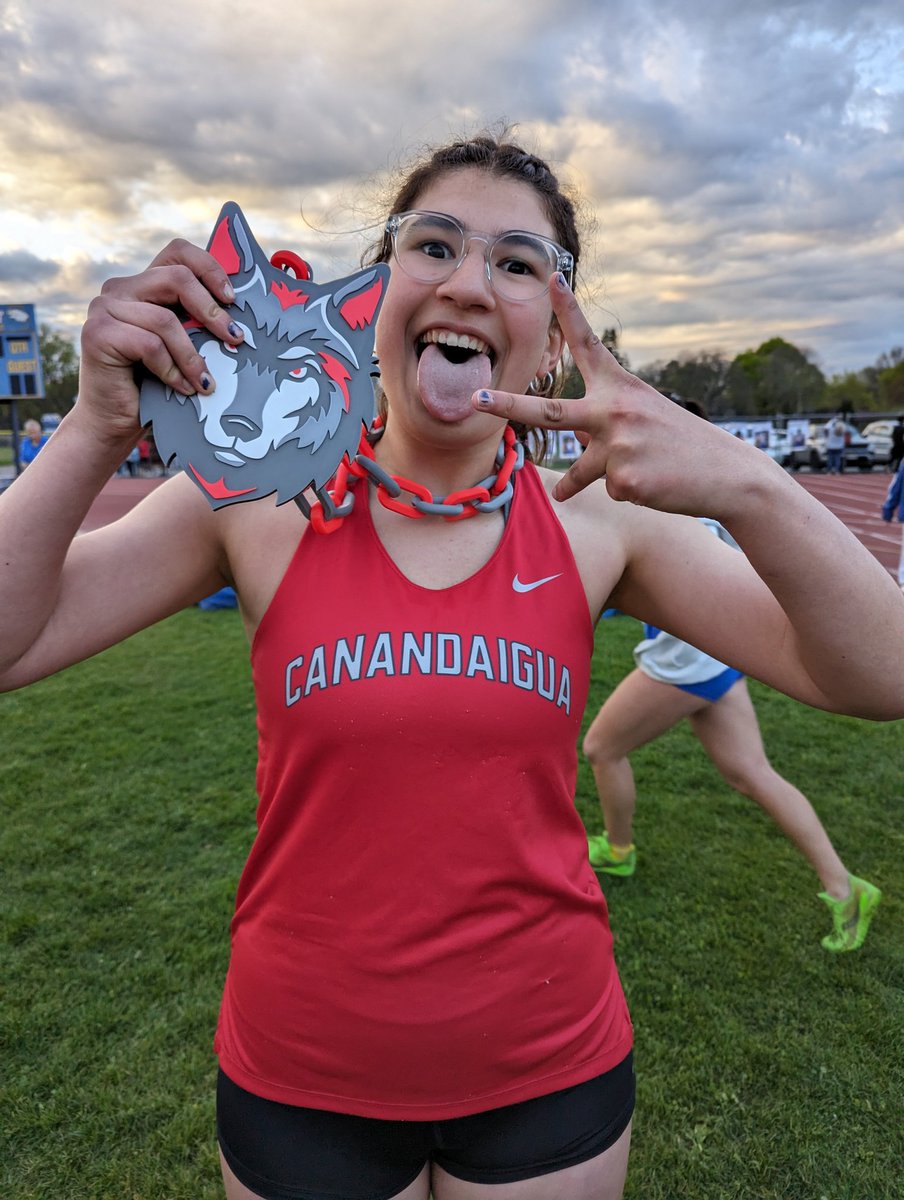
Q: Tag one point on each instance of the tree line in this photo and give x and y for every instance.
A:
(777, 377)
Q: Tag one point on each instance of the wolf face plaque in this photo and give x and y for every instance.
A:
(292, 398)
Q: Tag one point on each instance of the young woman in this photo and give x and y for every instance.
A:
(421, 994)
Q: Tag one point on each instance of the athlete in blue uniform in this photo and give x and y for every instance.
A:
(674, 681)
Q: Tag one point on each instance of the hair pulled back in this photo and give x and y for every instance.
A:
(505, 160)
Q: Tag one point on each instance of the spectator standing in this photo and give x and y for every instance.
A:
(31, 442)
(835, 438)
(897, 446)
(892, 509)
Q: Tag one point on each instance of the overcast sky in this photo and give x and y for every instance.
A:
(741, 167)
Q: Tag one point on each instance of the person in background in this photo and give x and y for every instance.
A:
(672, 682)
(835, 439)
(129, 465)
(897, 446)
(893, 509)
(31, 442)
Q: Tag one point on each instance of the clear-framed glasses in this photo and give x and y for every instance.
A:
(430, 246)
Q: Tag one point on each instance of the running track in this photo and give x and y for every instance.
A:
(854, 497)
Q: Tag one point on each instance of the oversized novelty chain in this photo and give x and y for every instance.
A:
(337, 500)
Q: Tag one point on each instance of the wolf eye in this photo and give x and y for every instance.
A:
(296, 363)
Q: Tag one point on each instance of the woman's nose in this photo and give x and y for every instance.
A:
(470, 283)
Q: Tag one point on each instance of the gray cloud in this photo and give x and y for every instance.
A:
(21, 266)
(742, 167)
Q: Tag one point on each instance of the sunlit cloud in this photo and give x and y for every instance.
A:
(740, 169)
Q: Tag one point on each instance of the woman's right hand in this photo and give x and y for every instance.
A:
(139, 319)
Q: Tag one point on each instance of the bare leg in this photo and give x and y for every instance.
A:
(602, 1178)
(730, 734)
(637, 712)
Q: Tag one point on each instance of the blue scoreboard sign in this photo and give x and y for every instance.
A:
(20, 353)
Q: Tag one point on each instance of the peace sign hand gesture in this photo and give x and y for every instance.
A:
(650, 451)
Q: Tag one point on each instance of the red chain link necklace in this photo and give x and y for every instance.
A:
(336, 500)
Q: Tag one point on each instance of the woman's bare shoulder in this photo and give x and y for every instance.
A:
(259, 539)
(597, 528)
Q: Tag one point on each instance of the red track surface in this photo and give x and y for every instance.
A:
(854, 497)
(117, 497)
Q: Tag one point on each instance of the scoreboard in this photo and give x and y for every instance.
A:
(20, 353)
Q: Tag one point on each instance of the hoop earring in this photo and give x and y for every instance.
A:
(541, 387)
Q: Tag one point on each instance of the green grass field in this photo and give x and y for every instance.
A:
(766, 1067)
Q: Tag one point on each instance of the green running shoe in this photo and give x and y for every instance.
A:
(851, 917)
(604, 858)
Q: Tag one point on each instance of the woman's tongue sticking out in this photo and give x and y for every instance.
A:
(446, 387)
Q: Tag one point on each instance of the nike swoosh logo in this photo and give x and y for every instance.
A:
(529, 587)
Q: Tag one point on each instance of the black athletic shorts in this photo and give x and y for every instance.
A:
(283, 1152)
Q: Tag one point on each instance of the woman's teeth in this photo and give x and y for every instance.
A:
(460, 341)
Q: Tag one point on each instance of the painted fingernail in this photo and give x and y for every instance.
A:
(234, 330)
(228, 292)
(484, 397)
(206, 383)
(561, 281)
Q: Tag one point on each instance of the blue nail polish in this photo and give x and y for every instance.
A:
(484, 397)
(206, 383)
(234, 330)
(561, 281)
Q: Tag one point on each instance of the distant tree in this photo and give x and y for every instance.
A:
(573, 382)
(776, 377)
(891, 386)
(893, 358)
(871, 376)
(850, 392)
(741, 385)
(702, 377)
(59, 362)
(609, 338)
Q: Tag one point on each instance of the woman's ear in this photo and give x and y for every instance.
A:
(555, 345)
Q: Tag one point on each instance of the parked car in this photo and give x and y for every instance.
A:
(878, 434)
(779, 447)
(857, 450)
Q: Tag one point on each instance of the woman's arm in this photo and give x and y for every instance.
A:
(63, 597)
(809, 611)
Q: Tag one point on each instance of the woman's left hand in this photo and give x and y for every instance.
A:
(651, 451)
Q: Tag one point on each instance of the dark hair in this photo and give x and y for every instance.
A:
(496, 157)
(506, 160)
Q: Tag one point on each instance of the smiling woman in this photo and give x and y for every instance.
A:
(422, 994)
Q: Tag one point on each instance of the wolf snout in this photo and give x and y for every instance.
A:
(241, 426)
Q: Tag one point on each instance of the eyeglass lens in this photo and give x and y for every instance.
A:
(430, 246)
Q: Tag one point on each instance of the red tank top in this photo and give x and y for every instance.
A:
(418, 933)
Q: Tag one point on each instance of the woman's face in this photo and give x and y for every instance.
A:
(518, 338)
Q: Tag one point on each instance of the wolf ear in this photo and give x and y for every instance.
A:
(359, 301)
(232, 244)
